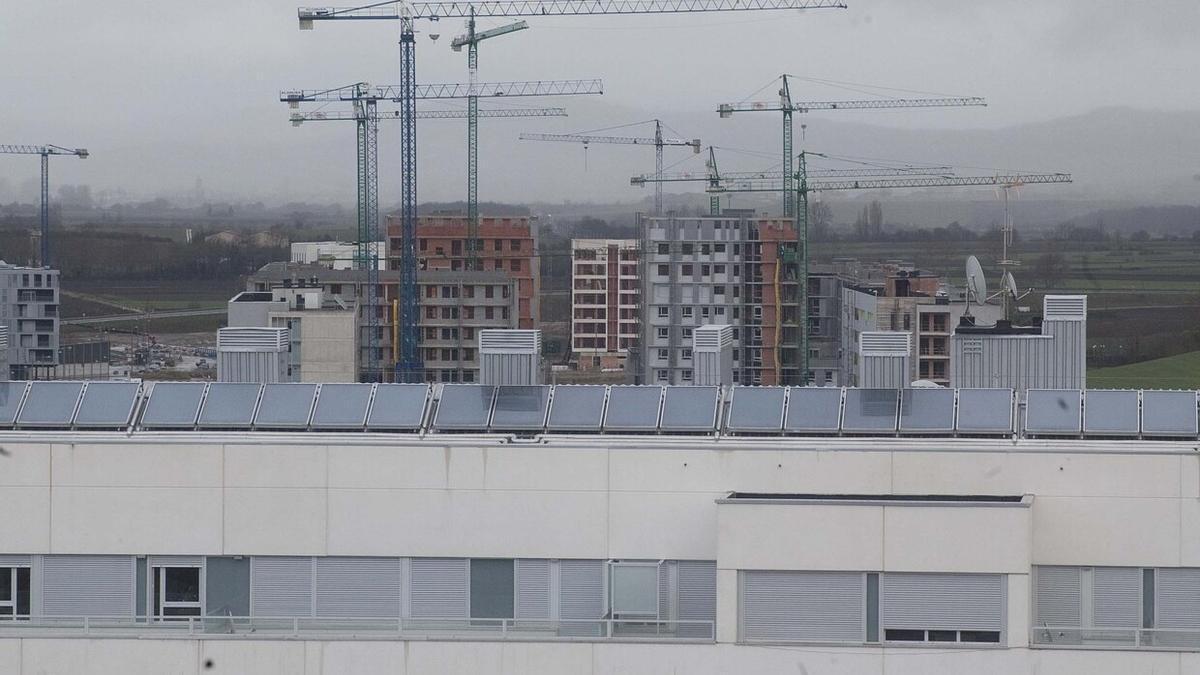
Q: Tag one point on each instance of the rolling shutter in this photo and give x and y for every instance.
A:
(358, 587)
(16, 560)
(1059, 597)
(941, 601)
(87, 585)
(281, 586)
(779, 606)
(1178, 598)
(697, 597)
(440, 588)
(533, 589)
(1117, 597)
(581, 596)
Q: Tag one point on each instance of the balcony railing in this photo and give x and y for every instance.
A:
(390, 628)
(1166, 639)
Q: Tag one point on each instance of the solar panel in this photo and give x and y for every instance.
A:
(342, 406)
(985, 411)
(398, 407)
(690, 409)
(927, 410)
(870, 410)
(577, 407)
(813, 409)
(755, 409)
(107, 404)
(633, 408)
(1169, 413)
(285, 406)
(11, 394)
(520, 408)
(50, 404)
(1052, 411)
(173, 405)
(464, 407)
(229, 405)
(1110, 412)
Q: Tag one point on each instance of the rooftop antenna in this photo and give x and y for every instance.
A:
(1006, 263)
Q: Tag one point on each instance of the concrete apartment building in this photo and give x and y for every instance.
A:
(507, 244)
(336, 255)
(321, 329)
(454, 305)
(735, 269)
(343, 528)
(29, 301)
(604, 301)
(899, 297)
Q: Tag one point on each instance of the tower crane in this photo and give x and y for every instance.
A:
(804, 186)
(364, 99)
(787, 106)
(407, 13)
(471, 41)
(658, 141)
(44, 216)
(716, 179)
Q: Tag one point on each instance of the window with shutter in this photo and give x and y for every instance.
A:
(281, 586)
(922, 607)
(581, 601)
(350, 587)
(87, 585)
(439, 588)
(787, 606)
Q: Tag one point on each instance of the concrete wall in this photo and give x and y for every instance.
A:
(327, 345)
(250, 657)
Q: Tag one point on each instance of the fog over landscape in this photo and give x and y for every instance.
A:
(180, 99)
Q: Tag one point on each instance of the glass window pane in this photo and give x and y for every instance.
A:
(173, 404)
(635, 589)
(50, 404)
(576, 407)
(6, 584)
(229, 404)
(183, 584)
(181, 611)
(633, 408)
(491, 588)
(107, 404)
(23, 591)
(756, 409)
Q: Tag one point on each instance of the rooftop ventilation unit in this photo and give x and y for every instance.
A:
(250, 339)
(251, 354)
(885, 359)
(885, 343)
(1064, 308)
(712, 352)
(510, 357)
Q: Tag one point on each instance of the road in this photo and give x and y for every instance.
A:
(142, 316)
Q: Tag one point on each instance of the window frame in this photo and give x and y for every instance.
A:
(156, 593)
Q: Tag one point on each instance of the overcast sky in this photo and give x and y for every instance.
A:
(164, 93)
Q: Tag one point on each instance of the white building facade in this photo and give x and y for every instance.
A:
(432, 534)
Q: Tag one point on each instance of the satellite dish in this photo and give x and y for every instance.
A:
(976, 283)
(924, 384)
(1010, 284)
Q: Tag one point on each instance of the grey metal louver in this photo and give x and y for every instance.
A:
(357, 587)
(1177, 601)
(533, 589)
(1059, 597)
(439, 588)
(581, 596)
(87, 585)
(281, 586)
(789, 606)
(919, 601)
(1117, 597)
(697, 596)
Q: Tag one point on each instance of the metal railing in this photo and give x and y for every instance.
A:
(1167, 639)
(333, 628)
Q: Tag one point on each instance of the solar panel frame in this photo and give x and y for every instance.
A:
(101, 394)
(573, 398)
(347, 395)
(236, 396)
(859, 406)
(12, 396)
(828, 412)
(700, 398)
(1160, 406)
(1111, 412)
(508, 419)
(452, 411)
(920, 422)
(50, 404)
(1050, 412)
(977, 403)
(285, 405)
(637, 398)
(381, 417)
(159, 393)
(745, 402)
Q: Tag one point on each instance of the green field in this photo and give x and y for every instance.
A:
(1181, 371)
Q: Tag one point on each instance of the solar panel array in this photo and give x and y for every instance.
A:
(617, 409)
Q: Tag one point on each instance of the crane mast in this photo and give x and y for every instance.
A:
(44, 210)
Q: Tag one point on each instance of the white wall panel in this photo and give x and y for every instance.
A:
(161, 520)
(800, 537)
(1106, 531)
(275, 521)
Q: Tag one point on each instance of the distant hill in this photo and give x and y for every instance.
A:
(1173, 220)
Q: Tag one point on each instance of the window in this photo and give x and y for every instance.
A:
(497, 244)
(718, 269)
(720, 311)
(489, 291)
(14, 591)
(664, 249)
(663, 354)
(489, 312)
(719, 248)
(660, 376)
(687, 333)
(704, 312)
(718, 290)
(705, 270)
(431, 291)
(468, 291)
(514, 265)
(663, 333)
(686, 270)
(686, 375)
(686, 249)
(664, 312)
(175, 591)
(664, 270)
(687, 312)
(422, 244)
(686, 355)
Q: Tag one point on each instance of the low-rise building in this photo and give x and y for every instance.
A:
(321, 330)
